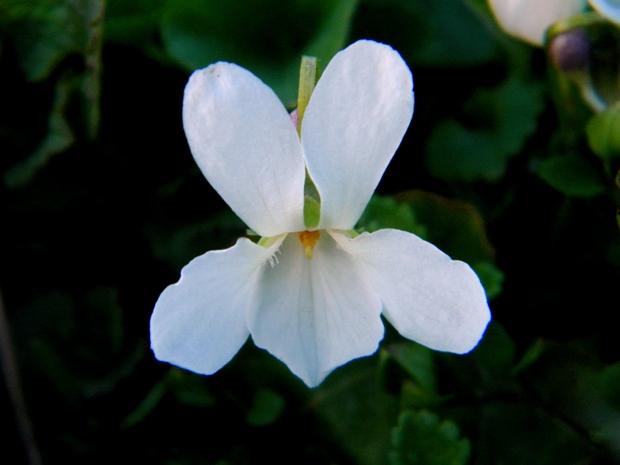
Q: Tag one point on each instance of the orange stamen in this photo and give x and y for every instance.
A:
(308, 240)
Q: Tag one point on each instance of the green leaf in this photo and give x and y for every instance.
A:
(417, 361)
(496, 352)
(134, 23)
(358, 412)
(58, 139)
(572, 175)
(517, 433)
(270, 43)
(531, 356)
(267, 407)
(491, 278)
(441, 33)
(454, 226)
(189, 388)
(386, 212)
(603, 132)
(46, 31)
(609, 382)
(499, 121)
(449, 33)
(148, 404)
(421, 439)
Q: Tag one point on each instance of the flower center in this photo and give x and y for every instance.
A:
(308, 240)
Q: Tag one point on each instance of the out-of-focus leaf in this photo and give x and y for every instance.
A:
(420, 389)
(414, 397)
(603, 131)
(438, 39)
(46, 31)
(58, 139)
(531, 355)
(496, 352)
(442, 33)
(455, 227)
(177, 244)
(421, 438)
(609, 381)
(106, 319)
(417, 361)
(386, 212)
(358, 413)
(330, 37)
(572, 175)
(518, 433)
(43, 33)
(491, 278)
(267, 38)
(567, 380)
(148, 404)
(267, 406)
(500, 120)
(134, 23)
(189, 388)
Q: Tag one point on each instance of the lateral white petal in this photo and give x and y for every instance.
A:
(243, 141)
(316, 314)
(428, 297)
(529, 19)
(355, 121)
(199, 323)
(608, 8)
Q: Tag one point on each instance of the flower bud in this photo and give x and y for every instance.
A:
(570, 50)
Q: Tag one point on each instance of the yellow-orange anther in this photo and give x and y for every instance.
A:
(308, 240)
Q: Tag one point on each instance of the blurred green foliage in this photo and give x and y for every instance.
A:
(504, 166)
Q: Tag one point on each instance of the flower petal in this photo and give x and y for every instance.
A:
(608, 8)
(199, 323)
(316, 314)
(243, 141)
(529, 19)
(354, 122)
(428, 297)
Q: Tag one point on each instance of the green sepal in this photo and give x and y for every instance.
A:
(312, 204)
(307, 80)
(312, 212)
(567, 24)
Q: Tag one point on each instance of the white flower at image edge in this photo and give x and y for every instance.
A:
(314, 313)
(608, 8)
(529, 19)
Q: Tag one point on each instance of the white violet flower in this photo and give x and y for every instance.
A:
(529, 19)
(610, 9)
(313, 297)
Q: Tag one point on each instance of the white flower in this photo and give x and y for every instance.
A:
(314, 313)
(529, 19)
(608, 8)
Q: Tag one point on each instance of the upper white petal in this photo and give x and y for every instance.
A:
(199, 323)
(428, 297)
(529, 19)
(316, 314)
(608, 8)
(243, 141)
(354, 122)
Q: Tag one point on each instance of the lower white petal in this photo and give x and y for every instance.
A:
(315, 314)
(428, 297)
(199, 323)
